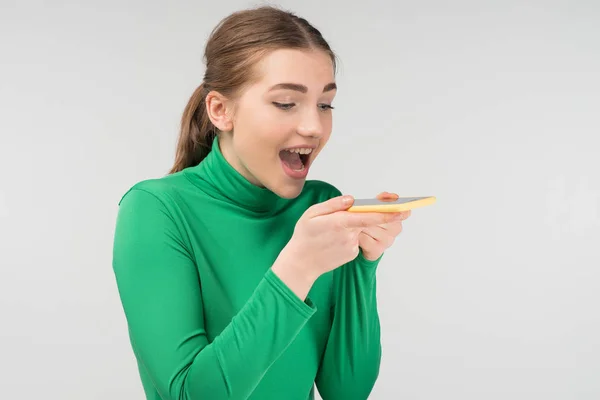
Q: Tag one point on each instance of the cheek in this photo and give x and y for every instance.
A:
(257, 139)
(272, 132)
(327, 124)
(327, 127)
(262, 123)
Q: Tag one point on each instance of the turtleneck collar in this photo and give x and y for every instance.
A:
(221, 181)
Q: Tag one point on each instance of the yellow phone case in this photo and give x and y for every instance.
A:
(401, 204)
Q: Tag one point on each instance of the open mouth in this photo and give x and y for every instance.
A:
(296, 159)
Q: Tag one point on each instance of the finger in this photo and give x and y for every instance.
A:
(384, 236)
(330, 206)
(363, 220)
(390, 226)
(402, 216)
(376, 233)
(370, 245)
(391, 229)
(387, 196)
(367, 242)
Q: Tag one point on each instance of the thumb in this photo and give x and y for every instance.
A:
(339, 203)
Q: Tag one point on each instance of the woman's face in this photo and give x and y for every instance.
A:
(287, 108)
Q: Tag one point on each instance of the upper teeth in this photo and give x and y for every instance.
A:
(300, 151)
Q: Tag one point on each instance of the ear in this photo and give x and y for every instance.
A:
(219, 111)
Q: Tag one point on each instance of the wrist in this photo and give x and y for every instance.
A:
(294, 273)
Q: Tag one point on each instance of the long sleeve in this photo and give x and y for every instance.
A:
(352, 356)
(161, 295)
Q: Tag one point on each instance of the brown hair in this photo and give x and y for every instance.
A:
(235, 45)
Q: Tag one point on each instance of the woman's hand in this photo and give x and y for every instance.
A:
(326, 237)
(374, 240)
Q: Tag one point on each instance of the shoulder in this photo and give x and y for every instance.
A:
(149, 215)
(160, 191)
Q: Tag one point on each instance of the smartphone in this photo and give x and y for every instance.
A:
(397, 205)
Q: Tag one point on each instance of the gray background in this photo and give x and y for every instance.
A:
(492, 293)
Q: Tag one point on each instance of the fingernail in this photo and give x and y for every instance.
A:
(347, 200)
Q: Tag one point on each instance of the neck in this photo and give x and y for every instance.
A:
(218, 176)
(225, 142)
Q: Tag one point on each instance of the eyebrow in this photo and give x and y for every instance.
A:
(301, 88)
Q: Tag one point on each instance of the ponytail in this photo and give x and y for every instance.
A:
(197, 132)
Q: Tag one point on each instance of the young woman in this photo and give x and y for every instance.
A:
(239, 278)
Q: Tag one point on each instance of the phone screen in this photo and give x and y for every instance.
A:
(373, 202)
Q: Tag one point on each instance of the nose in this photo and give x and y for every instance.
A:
(311, 125)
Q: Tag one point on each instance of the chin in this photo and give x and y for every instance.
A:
(289, 190)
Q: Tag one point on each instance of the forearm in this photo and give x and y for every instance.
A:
(235, 362)
(352, 358)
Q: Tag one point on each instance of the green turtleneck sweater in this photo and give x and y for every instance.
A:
(207, 317)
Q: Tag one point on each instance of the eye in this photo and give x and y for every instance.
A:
(284, 106)
(325, 107)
